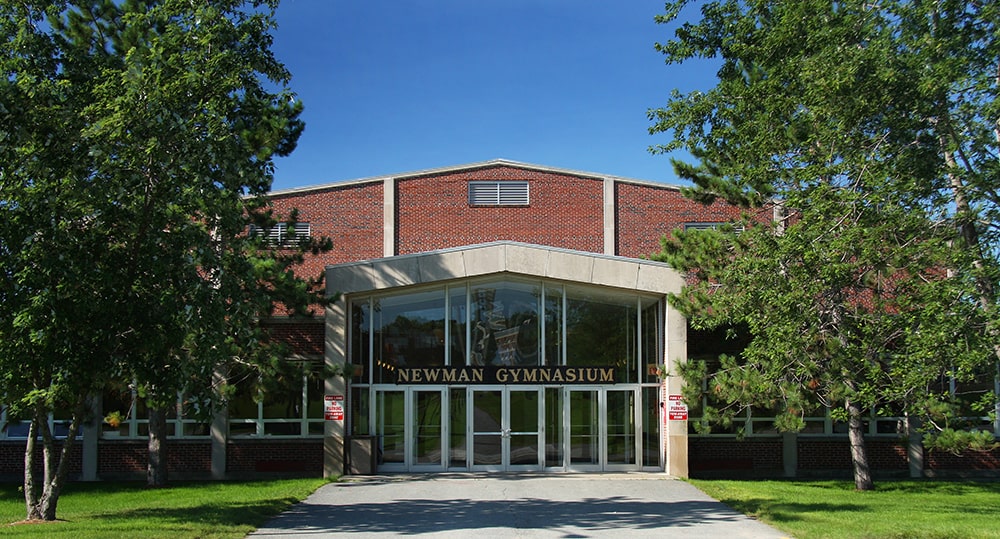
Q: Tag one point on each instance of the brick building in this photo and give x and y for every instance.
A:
(494, 316)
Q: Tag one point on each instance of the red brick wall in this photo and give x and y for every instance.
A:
(648, 212)
(12, 458)
(304, 336)
(730, 455)
(836, 454)
(433, 212)
(967, 461)
(130, 457)
(291, 456)
(350, 215)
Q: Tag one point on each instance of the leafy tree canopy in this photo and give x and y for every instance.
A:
(861, 140)
(137, 141)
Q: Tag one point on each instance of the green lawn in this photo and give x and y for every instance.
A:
(895, 509)
(803, 509)
(195, 509)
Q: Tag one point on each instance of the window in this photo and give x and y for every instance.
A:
(283, 233)
(289, 403)
(506, 193)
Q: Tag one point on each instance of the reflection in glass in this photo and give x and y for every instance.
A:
(458, 311)
(427, 427)
(487, 414)
(621, 427)
(601, 330)
(390, 426)
(554, 426)
(523, 427)
(553, 325)
(583, 429)
(457, 443)
(650, 426)
(505, 324)
(409, 332)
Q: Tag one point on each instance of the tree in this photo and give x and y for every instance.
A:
(829, 125)
(138, 145)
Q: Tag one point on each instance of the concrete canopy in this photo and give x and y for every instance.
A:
(503, 257)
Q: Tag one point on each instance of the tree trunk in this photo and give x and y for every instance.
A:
(859, 454)
(30, 494)
(156, 469)
(43, 506)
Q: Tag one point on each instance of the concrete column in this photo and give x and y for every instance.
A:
(91, 431)
(790, 453)
(389, 217)
(676, 447)
(219, 431)
(610, 232)
(334, 434)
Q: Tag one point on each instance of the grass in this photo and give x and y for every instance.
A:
(129, 509)
(803, 509)
(895, 509)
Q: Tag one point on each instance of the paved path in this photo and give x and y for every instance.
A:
(516, 505)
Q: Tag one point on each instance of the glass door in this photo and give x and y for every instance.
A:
(584, 429)
(390, 429)
(506, 429)
(621, 427)
(427, 427)
(488, 430)
(523, 450)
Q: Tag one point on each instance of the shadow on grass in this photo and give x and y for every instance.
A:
(778, 512)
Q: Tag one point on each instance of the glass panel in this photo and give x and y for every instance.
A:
(584, 437)
(427, 428)
(621, 427)
(601, 331)
(650, 340)
(487, 413)
(117, 405)
(457, 443)
(524, 411)
(554, 427)
(360, 333)
(553, 325)
(283, 428)
(283, 394)
(505, 324)
(650, 426)
(243, 403)
(359, 407)
(458, 312)
(523, 415)
(409, 331)
(390, 425)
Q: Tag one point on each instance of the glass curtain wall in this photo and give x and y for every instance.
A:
(508, 322)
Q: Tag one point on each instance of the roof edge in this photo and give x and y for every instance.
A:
(471, 166)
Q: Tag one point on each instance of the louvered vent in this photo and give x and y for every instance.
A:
(283, 233)
(510, 193)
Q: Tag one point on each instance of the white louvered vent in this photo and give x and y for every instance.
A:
(283, 233)
(508, 193)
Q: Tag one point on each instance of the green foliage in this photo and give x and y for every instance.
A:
(137, 142)
(859, 140)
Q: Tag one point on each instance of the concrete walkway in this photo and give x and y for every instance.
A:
(513, 505)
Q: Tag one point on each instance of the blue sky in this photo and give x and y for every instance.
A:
(393, 86)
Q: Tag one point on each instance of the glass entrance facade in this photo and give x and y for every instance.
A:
(507, 374)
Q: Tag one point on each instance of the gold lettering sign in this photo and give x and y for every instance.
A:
(506, 375)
